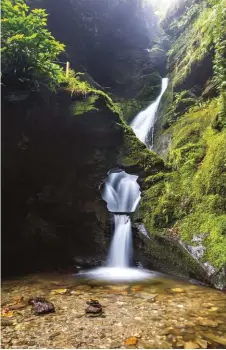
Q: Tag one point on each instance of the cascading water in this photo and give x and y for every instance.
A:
(143, 123)
(121, 246)
(122, 194)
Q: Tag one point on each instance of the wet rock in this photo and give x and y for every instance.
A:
(191, 345)
(136, 288)
(41, 306)
(131, 341)
(202, 343)
(17, 307)
(52, 336)
(216, 338)
(146, 296)
(115, 344)
(60, 291)
(6, 322)
(177, 290)
(207, 323)
(94, 308)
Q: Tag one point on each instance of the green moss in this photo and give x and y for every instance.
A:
(135, 153)
(193, 45)
(192, 198)
(87, 105)
(148, 93)
(180, 104)
(130, 108)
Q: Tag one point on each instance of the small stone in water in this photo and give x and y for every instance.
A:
(203, 343)
(207, 323)
(218, 339)
(191, 345)
(6, 322)
(94, 308)
(41, 306)
(131, 341)
(177, 290)
(60, 291)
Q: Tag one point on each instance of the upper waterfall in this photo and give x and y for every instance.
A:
(144, 122)
(121, 192)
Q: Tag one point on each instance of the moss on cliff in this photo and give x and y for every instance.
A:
(135, 154)
(194, 43)
(191, 200)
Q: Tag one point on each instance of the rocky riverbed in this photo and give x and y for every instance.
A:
(163, 313)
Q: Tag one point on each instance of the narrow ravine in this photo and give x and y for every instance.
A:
(114, 174)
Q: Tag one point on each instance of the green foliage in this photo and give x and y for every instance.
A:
(29, 51)
(129, 108)
(136, 154)
(75, 85)
(87, 105)
(192, 45)
(181, 102)
(200, 29)
(191, 200)
(219, 39)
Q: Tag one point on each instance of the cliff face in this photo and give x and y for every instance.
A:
(60, 148)
(55, 159)
(53, 164)
(107, 39)
(190, 133)
(57, 148)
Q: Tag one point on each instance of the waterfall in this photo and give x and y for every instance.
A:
(121, 246)
(122, 194)
(143, 123)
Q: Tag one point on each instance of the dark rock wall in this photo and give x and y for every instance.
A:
(108, 39)
(52, 165)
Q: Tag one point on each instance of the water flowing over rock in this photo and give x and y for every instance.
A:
(143, 123)
(121, 192)
(121, 246)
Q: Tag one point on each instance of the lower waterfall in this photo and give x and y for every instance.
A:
(122, 194)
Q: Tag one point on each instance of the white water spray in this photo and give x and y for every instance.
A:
(143, 123)
(122, 194)
(121, 246)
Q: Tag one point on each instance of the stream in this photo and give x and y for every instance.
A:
(162, 313)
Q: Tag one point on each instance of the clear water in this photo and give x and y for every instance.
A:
(162, 313)
(143, 123)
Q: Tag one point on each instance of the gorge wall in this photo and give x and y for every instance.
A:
(188, 204)
(58, 148)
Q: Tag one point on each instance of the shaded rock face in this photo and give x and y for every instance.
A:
(52, 166)
(108, 39)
